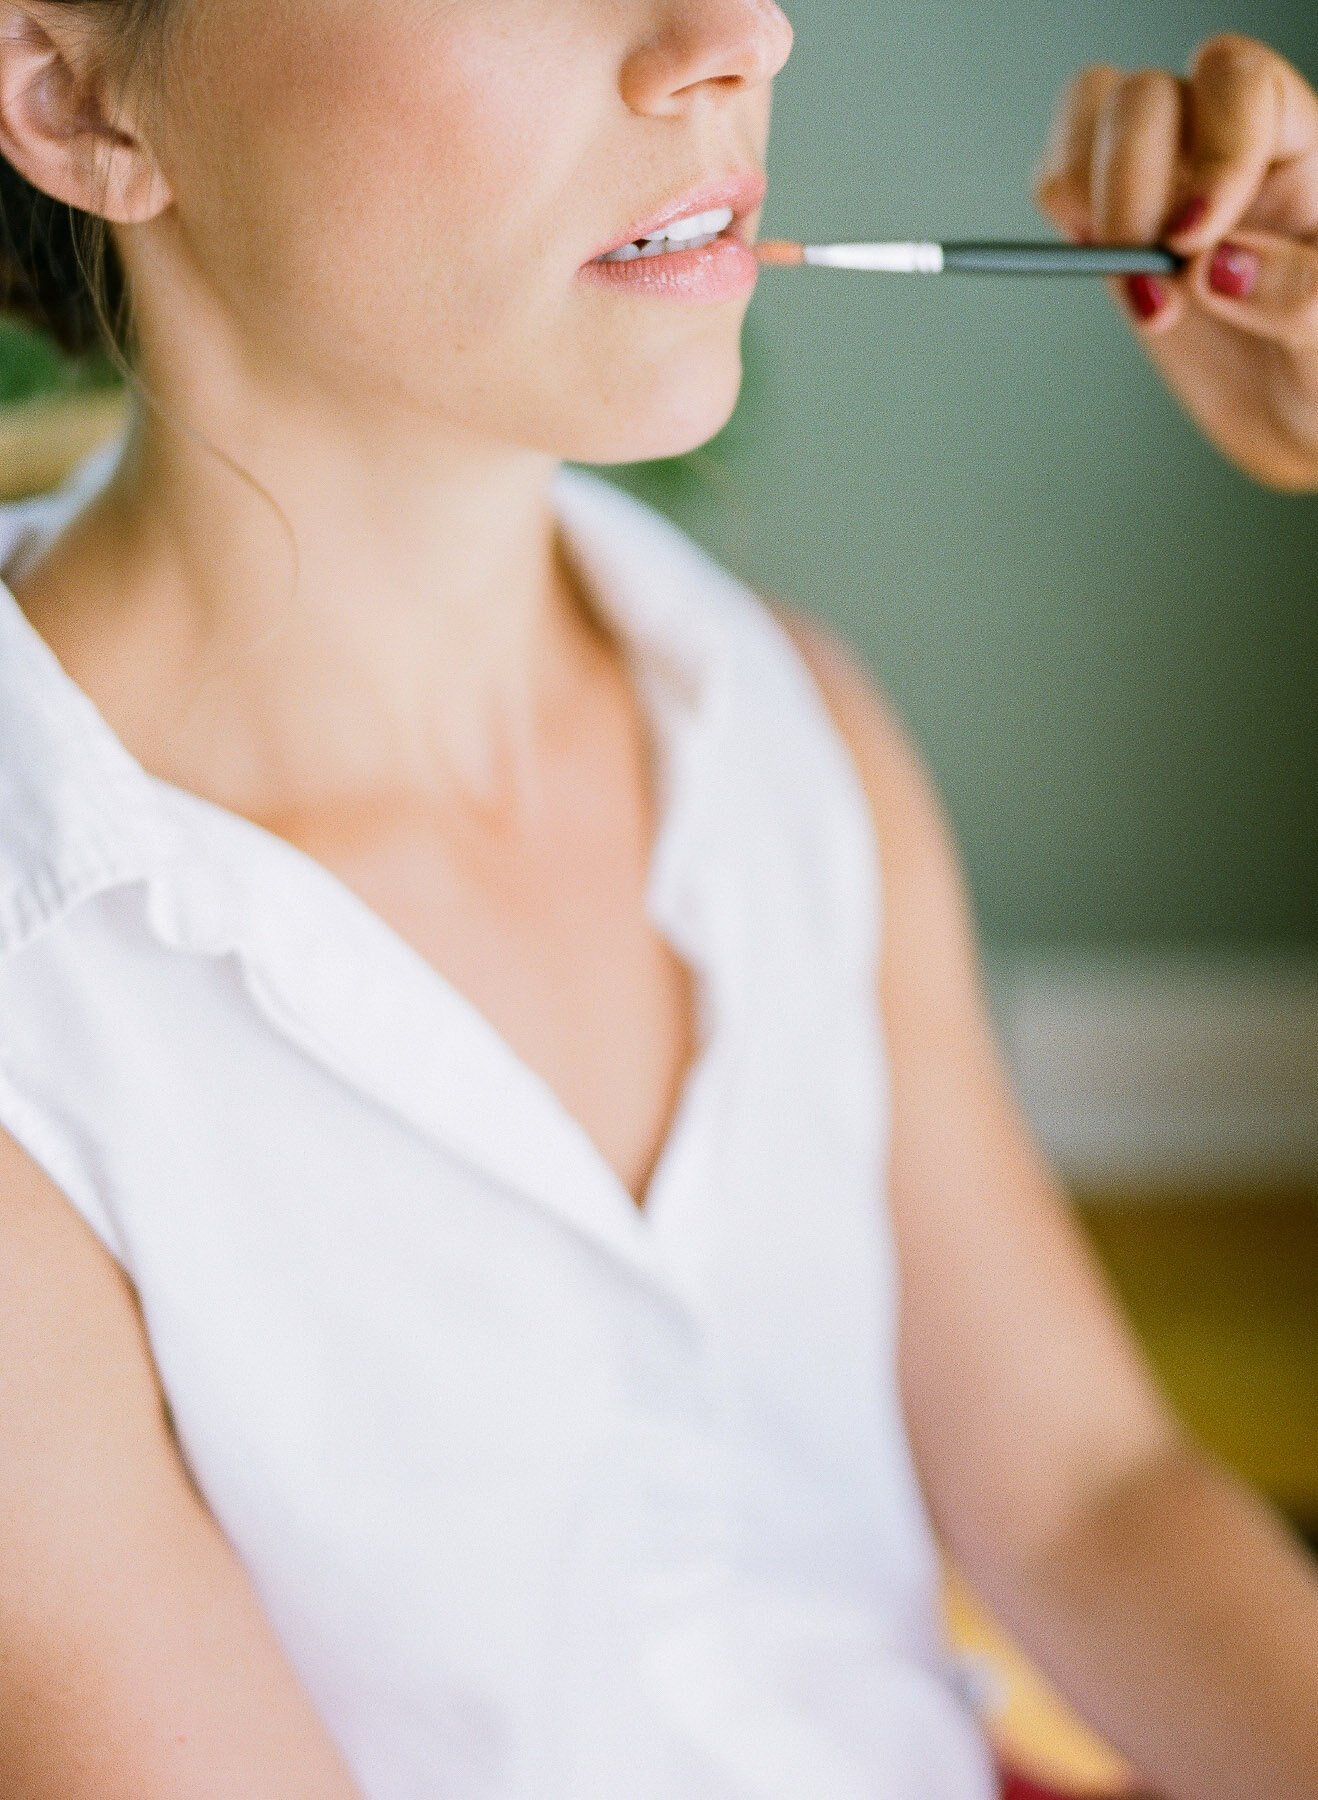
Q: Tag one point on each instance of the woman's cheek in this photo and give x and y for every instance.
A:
(434, 149)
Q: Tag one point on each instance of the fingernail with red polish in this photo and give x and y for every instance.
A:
(1233, 271)
(1147, 296)
(1189, 216)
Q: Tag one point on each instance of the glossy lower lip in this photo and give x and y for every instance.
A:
(724, 270)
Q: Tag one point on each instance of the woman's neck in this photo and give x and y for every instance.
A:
(425, 637)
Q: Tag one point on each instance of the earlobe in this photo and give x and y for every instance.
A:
(54, 127)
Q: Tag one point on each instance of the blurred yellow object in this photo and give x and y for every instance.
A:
(1222, 1290)
(42, 439)
(1035, 1730)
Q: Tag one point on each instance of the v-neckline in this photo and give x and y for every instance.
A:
(214, 904)
(384, 941)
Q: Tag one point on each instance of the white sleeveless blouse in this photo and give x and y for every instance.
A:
(546, 1497)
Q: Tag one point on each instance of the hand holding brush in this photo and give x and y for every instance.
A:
(1196, 196)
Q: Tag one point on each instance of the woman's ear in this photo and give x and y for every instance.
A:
(58, 123)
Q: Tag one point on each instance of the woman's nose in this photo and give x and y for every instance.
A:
(722, 46)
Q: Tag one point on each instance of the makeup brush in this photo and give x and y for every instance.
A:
(974, 258)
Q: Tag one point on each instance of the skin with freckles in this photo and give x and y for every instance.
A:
(354, 232)
(354, 236)
(438, 280)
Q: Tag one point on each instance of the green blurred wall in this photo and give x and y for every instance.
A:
(1102, 636)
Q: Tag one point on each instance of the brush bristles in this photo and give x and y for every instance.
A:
(777, 253)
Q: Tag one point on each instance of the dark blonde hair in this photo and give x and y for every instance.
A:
(59, 269)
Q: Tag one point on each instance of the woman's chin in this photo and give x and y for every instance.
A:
(674, 418)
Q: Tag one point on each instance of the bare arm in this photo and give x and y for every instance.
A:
(1170, 1605)
(1182, 1615)
(135, 1662)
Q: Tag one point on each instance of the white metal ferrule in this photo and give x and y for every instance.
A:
(892, 259)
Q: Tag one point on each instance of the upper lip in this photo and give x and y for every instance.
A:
(742, 191)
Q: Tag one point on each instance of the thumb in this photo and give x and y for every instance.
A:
(1264, 284)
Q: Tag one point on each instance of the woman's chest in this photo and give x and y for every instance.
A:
(375, 1305)
(419, 1347)
(550, 940)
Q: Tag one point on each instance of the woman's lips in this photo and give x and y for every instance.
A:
(723, 270)
(742, 193)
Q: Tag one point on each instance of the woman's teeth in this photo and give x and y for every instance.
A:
(683, 234)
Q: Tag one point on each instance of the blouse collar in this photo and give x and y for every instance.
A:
(79, 814)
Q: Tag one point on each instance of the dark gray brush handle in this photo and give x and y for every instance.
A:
(1059, 259)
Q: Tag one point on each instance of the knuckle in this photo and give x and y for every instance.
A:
(1228, 54)
(1102, 74)
(1066, 201)
(1052, 188)
(1086, 89)
(1143, 89)
(1077, 82)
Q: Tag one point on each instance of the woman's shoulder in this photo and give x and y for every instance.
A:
(899, 787)
(73, 803)
(929, 927)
